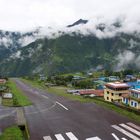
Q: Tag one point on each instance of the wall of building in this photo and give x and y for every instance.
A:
(134, 104)
(125, 101)
(131, 102)
(112, 95)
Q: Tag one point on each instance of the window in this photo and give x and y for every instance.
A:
(135, 104)
(107, 92)
(112, 94)
(131, 103)
(107, 98)
(123, 99)
(120, 94)
(111, 100)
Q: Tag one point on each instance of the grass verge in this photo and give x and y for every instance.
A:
(19, 99)
(12, 133)
(61, 91)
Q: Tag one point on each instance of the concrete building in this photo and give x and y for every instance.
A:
(132, 99)
(113, 91)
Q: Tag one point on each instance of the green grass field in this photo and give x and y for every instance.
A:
(19, 98)
(12, 133)
(61, 91)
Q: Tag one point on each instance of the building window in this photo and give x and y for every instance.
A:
(112, 94)
(135, 104)
(123, 99)
(131, 103)
(119, 100)
(111, 100)
(107, 98)
(120, 94)
(107, 92)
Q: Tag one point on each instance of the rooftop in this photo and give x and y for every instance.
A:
(95, 92)
(136, 90)
(118, 85)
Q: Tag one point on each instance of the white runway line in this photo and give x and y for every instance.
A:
(116, 138)
(93, 138)
(134, 126)
(124, 139)
(130, 129)
(44, 96)
(59, 137)
(62, 106)
(125, 132)
(71, 136)
(47, 138)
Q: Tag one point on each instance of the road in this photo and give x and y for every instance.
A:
(52, 117)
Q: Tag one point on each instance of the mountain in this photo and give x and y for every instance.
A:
(69, 52)
(80, 21)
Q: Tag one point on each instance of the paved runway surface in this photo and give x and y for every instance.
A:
(52, 117)
(7, 117)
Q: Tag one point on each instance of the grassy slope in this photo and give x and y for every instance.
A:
(61, 91)
(12, 133)
(19, 98)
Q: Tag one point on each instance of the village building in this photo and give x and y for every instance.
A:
(129, 78)
(113, 91)
(2, 81)
(134, 84)
(132, 99)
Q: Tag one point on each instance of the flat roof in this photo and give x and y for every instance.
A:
(136, 90)
(118, 85)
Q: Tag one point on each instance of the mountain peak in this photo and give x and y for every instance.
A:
(80, 21)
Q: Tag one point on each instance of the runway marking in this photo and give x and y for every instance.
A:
(130, 129)
(134, 126)
(71, 136)
(47, 138)
(59, 137)
(42, 110)
(93, 138)
(124, 139)
(7, 115)
(44, 96)
(62, 106)
(116, 138)
(125, 132)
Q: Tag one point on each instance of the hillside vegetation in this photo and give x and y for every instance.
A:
(71, 53)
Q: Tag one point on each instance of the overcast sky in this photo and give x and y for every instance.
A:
(28, 14)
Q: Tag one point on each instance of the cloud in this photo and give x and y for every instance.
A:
(91, 28)
(6, 41)
(27, 14)
(137, 62)
(16, 55)
(54, 15)
(125, 59)
(25, 40)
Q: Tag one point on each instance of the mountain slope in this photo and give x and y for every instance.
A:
(72, 53)
(74, 48)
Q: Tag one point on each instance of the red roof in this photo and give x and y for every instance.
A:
(95, 92)
(2, 81)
